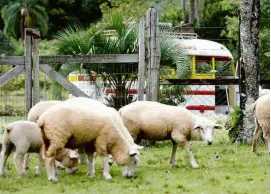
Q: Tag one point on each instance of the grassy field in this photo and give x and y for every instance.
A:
(224, 168)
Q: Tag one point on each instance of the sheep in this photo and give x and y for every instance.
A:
(25, 137)
(35, 112)
(71, 126)
(33, 116)
(261, 109)
(94, 104)
(155, 121)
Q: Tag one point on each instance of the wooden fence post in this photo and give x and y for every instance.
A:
(36, 69)
(154, 54)
(28, 71)
(141, 63)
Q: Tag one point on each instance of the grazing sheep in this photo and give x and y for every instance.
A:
(39, 108)
(25, 137)
(261, 109)
(94, 104)
(155, 121)
(34, 115)
(72, 126)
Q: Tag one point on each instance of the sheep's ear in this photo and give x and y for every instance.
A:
(140, 147)
(197, 125)
(133, 152)
(219, 127)
(73, 154)
(137, 147)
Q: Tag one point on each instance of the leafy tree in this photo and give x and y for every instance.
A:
(124, 41)
(18, 15)
(63, 13)
(128, 8)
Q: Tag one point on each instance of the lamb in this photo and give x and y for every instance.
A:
(25, 137)
(261, 110)
(155, 121)
(72, 126)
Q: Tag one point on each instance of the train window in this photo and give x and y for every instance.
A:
(203, 64)
(224, 68)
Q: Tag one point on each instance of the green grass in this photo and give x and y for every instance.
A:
(224, 168)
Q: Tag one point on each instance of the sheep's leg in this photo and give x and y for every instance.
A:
(6, 150)
(181, 139)
(173, 153)
(18, 161)
(256, 136)
(193, 162)
(26, 161)
(39, 167)
(106, 167)
(51, 169)
(91, 165)
(83, 156)
(266, 135)
(268, 143)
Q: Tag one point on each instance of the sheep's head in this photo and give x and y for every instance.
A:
(206, 129)
(68, 158)
(129, 163)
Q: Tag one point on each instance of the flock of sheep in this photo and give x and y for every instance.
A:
(63, 132)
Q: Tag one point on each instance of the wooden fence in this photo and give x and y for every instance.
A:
(31, 63)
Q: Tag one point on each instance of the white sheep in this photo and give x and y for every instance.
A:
(25, 137)
(261, 110)
(155, 121)
(68, 125)
(33, 116)
(35, 112)
(94, 104)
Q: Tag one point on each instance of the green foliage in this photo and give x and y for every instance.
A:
(36, 16)
(170, 11)
(171, 95)
(128, 8)
(224, 13)
(234, 123)
(6, 47)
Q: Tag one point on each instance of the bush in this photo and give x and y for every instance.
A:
(233, 124)
(172, 95)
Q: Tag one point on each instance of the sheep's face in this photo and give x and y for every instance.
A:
(69, 159)
(206, 130)
(128, 170)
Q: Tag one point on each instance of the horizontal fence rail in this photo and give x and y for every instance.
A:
(60, 59)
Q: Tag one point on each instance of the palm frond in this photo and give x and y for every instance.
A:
(10, 9)
(39, 16)
(174, 53)
(10, 24)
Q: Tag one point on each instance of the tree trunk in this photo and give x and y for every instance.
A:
(249, 45)
(22, 26)
(192, 12)
(184, 10)
(196, 15)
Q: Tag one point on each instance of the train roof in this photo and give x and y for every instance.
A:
(201, 47)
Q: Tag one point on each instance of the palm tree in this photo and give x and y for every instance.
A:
(75, 40)
(19, 15)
